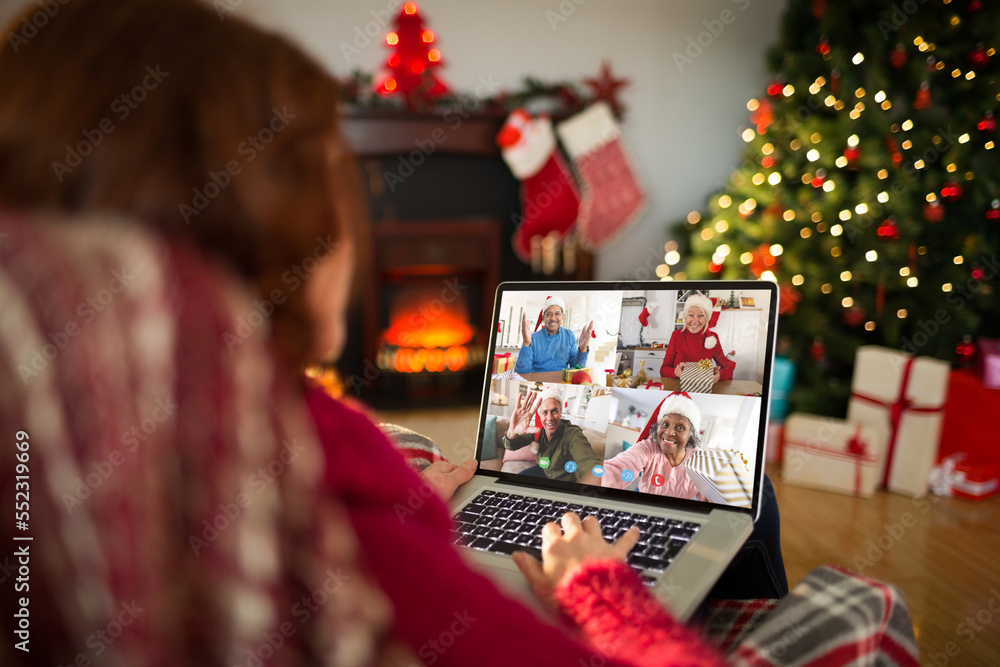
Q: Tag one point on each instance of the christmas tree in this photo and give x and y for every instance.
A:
(410, 68)
(870, 189)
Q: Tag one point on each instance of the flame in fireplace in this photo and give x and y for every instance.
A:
(430, 329)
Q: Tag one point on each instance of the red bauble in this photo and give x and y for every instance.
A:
(966, 351)
(714, 268)
(993, 215)
(835, 81)
(952, 191)
(888, 230)
(979, 57)
(774, 90)
(762, 116)
(977, 273)
(789, 300)
(581, 377)
(818, 350)
(853, 154)
(819, 8)
(974, 6)
(767, 162)
(823, 47)
(988, 123)
(854, 316)
(898, 57)
(923, 98)
(933, 212)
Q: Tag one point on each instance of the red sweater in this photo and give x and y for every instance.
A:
(686, 346)
(450, 615)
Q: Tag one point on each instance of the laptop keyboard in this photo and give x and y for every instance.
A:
(503, 523)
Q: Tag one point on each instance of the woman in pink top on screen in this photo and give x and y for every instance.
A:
(696, 342)
(672, 431)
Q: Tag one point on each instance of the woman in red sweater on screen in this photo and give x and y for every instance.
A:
(696, 342)
(234, 149)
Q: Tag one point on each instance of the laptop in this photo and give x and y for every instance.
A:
(600, 450)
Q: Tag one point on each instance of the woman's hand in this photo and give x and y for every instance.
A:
(525, 334)
(562, 551)
(716, 375)
(445, 477)
(522, 421)
(679, 368)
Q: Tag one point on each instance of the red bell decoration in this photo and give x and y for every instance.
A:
(988, 123)
(852, 154)
(898, 57)
(993, 214)
(933, 212)
(951, 192)
(979, 57)
(966, 351)
(888, 230)
(923, 98)
(854, 316)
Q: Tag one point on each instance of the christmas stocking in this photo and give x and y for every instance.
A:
(549, 198)
(612, 197)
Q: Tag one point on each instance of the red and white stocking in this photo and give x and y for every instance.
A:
(612, 196)
(550, 200)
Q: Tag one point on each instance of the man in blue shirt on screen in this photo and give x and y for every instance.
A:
(551, 348)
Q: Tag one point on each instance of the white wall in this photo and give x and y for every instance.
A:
(681, 126)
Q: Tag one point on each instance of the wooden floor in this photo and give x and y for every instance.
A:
(943, 553)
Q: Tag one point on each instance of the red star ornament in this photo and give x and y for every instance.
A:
(606, 87)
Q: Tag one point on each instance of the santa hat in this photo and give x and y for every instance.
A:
(676, 403)
(549, 302)
(706, 306)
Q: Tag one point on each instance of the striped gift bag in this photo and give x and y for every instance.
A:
(722, 476)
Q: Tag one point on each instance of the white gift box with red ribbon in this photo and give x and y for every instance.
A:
(905, 395)
(831, 454)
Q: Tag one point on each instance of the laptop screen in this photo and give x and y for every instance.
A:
(650, 391)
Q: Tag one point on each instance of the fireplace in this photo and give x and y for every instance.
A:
(443, 206)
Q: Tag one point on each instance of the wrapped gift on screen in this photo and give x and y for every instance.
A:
(905, 395)
(502, 362)
(964, 477)
(832, 454)
(698, 377)
(721, 475)
(569, 373)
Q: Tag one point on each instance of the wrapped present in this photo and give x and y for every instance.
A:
(775, 442)
(502, 362)
(832, 454)
(989, 362)
(906, 396)
(652, 385)
(568, 373)
(721, 475)
(968, 432)
(699, 377)
(962, 477)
